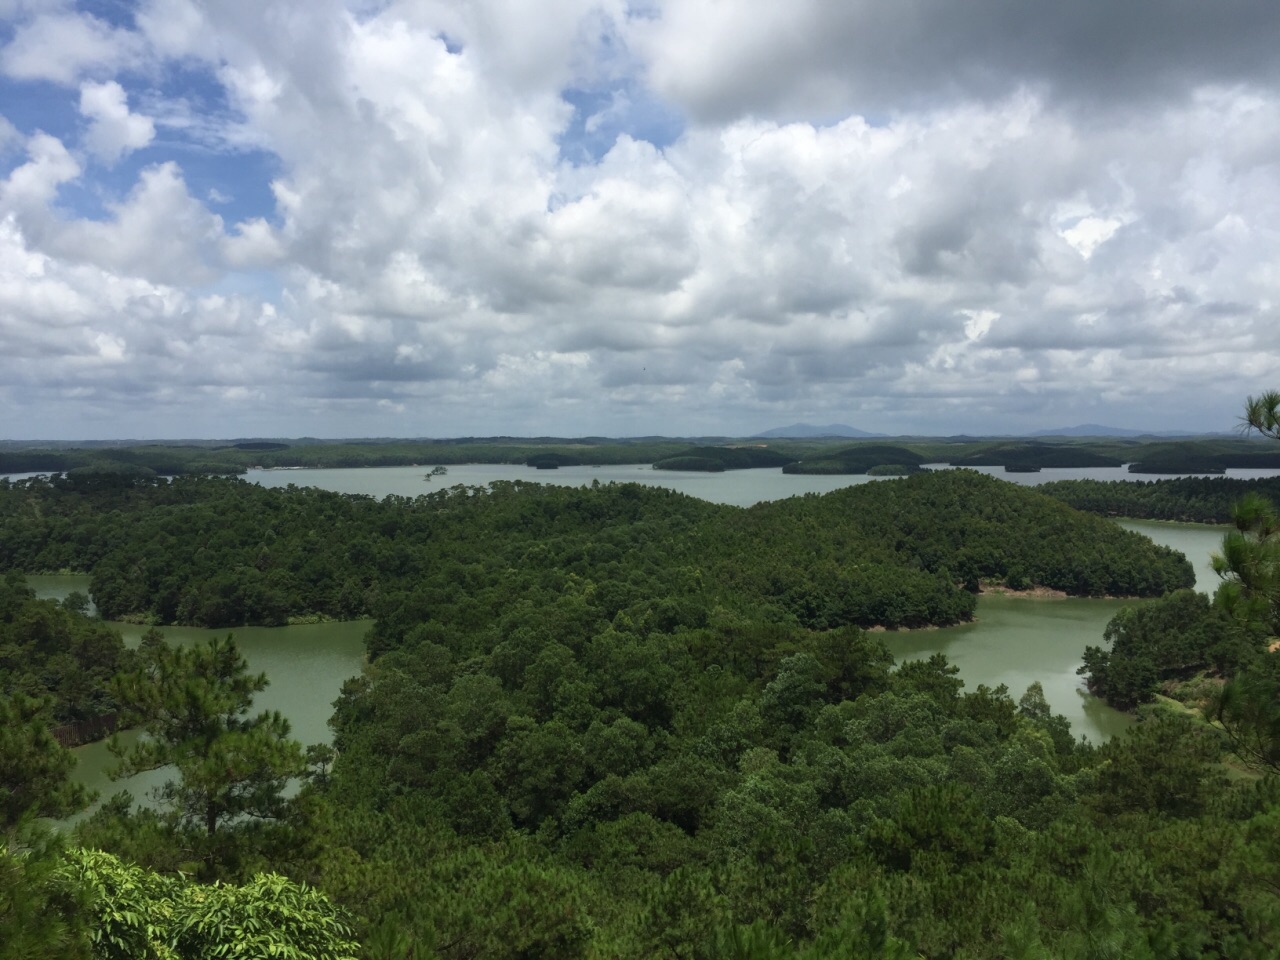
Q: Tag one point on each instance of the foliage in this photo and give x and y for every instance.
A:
(1249, 564)
(715, 459)
(1169, 639)
(34, 767)
(1185, 499)
(40, 917)
(692, 464)
(134, 914)
(1027, 454)
(862, 458)
(231, 768)
(896, 554)
(1262, 413)
(1248, 708)
(50, 651)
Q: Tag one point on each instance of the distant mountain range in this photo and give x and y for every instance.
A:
(808, 431)
(804, 431)
(1098, 430)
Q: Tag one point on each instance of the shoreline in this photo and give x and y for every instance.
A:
(1049, 593)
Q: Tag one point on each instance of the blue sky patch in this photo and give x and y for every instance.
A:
(601, 115)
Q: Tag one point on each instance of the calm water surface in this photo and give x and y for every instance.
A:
(741, 488)
(1018, 640)
(1014, 641)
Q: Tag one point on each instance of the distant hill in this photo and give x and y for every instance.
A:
(802, 431)
(1098, 430)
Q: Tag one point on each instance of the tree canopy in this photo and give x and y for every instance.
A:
(620, 722)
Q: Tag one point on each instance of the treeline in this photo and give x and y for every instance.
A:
(186, 460)
(1185, 499)
(1159, 646)
(825, 456)
(1032, 454)
(1201, 456)
(220, 552)
(718, 459)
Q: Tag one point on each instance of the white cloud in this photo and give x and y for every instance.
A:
(253, 246)
(175, 28)
(1089, 232)
(816, 60)
(9, 136)
(34, 184)
(159, 232)
(981, 246)
(62, 47)
(113, 130)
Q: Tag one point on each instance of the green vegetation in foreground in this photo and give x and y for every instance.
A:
(905, 553)
(545, 787)
(617, 722)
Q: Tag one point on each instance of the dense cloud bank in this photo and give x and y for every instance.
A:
(579, 217)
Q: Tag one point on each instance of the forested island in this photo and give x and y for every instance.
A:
(618, 721)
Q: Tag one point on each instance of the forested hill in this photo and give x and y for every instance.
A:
(222, 552)
(1187, 499)
(973, 528)
(593, 724)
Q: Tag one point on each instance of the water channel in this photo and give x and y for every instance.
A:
(1014, 641)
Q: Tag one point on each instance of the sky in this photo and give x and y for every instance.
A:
(286, 218)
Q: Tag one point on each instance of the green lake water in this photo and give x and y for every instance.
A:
(1014, 640)
(1019, 640)
(305, 664)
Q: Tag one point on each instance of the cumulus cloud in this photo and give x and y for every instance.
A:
(34, 185)
(63, 46)
(893, 215)
(159, 232)
(113, 130)
(816, 60)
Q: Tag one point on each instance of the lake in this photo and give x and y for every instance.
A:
(741, 488)
(1014, 640)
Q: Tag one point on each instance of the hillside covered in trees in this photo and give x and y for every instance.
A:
(617, 721)
(221, 552)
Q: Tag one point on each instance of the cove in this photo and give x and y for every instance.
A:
(1019, 640)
